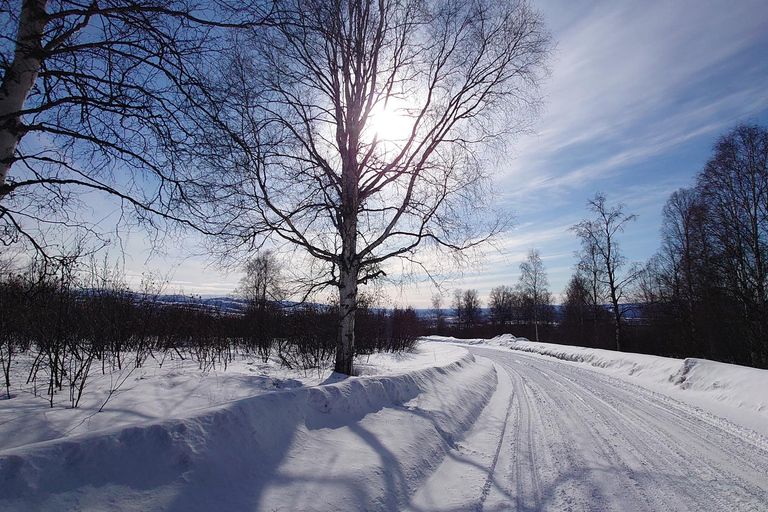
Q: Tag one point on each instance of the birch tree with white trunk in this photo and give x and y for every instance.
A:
(354, 130)
(534, 285)
(600, 243)
(95, 97)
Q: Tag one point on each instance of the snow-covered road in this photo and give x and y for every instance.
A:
(438, 429)
(559, 437)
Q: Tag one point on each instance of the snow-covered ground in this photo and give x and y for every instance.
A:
(736, 393)
(557, 436)
(442, 428)
(177, 439)
(172, 387)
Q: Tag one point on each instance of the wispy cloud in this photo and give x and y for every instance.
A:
(639, 92)
(634, 80)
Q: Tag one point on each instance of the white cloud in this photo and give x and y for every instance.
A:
(632, 83)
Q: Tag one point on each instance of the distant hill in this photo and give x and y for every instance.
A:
(229, 304)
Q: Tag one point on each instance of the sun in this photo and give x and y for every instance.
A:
(390, 123)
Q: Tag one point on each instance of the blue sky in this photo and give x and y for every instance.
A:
(639, 92)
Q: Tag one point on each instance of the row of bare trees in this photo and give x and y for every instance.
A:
(525, 308)
(49, 317)
(707, 287)
(61, 323)
(705, 292)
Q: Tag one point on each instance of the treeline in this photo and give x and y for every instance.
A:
(510, 310)
(524, 309)
(67, 321)
(706, 290)
(704, 293)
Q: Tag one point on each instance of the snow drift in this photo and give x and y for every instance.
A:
(363, 443)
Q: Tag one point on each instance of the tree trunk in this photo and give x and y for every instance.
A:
(617, 322)
(19, 80)
(349, 268)
(345, 347)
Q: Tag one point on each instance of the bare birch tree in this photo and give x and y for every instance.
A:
(438, 313)
(298, 152)
(534, 285)
(599, 242)
(94, 97)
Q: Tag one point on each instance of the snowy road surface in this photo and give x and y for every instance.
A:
(444, 430)
(559, 437)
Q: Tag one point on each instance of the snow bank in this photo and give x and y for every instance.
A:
(171, 388)
(362, 443)
(654, 369)
(737, 393)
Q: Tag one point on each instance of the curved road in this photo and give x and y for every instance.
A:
(576, 439)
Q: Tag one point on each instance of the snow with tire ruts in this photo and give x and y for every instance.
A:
(737, 393)
(445, 428)
(560, 436)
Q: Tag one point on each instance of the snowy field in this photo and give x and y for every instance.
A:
(170, 388)
(495, 425)
(252, 437)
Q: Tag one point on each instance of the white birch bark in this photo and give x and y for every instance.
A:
(18, 82)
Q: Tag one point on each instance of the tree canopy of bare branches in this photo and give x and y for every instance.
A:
(467, 308)
(706, 287)
(292, 150)
(94, 97)
(603, 254)
(502, 302)
(734, 186)
(534, 286)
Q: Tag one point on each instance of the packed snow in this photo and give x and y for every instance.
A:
(498, 424)
(571, 438)
(737, 393)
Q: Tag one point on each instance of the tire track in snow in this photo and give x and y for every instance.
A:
(492, 469)
(587, 453)
(678, 437)
(524, 466)
(635, 460)
(607, 444)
